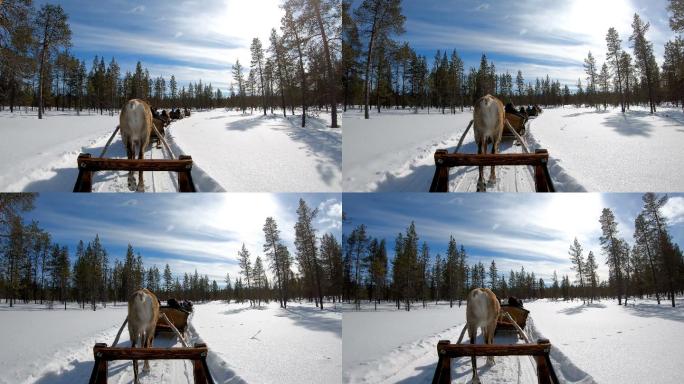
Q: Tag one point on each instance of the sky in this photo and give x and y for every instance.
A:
(188, 231)
(533, 231)
(192, 39)
(539, 37)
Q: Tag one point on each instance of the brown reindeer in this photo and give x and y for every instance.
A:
(143, 313)
(482, 312)
(489, 118)
(135, 122)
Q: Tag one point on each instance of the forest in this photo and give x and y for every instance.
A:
(652, 267)
(299, 68)
(35, 268)
(380, 71)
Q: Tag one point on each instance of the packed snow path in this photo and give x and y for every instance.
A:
(394, 151)
(231, 152)
(589, 151)
(253, 345)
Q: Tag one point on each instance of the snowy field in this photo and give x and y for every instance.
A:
(590, 151)
(598, 343)
(266, 345)
(232, 152)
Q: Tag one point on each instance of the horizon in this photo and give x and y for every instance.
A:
(528, 230)
(166, 40)
(537, 37)
(199, 231)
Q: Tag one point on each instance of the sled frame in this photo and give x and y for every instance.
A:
(540, 351)
(87, 165)
(444, 161)
(197, 354)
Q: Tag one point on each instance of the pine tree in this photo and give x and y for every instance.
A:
(380, 18)
(258, 64)
(591, 269)
(52, 31)
(611, 244)
(614, 53)
(645, 61)
(246, 270)
(592, 77)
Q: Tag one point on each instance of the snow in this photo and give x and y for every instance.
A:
(597, 343)
(589, 150)
(639, 343)
(245, 344)
(231, 152)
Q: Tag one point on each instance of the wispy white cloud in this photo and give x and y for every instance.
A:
(546, 37)
(138, 9)
(188, 232)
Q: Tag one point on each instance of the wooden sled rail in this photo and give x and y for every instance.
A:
(104, 354)
(447, 351)
(88, 164)
(445, 160)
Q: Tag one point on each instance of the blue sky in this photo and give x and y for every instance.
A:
(187, 231)
(538, 37)
(193, 39)
(530, 230)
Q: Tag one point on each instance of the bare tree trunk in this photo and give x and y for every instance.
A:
(328, 61)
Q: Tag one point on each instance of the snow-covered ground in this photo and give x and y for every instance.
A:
(265, 345)
(590, 151)
(231, 152)
(598, 343)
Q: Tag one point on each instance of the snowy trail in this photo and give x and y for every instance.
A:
(415, 362)
(416, 173)
(231, 152)
(71, 361)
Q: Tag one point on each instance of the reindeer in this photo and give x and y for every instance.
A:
(143, 312)
(482, 312)
(135, 123)
(488, 127)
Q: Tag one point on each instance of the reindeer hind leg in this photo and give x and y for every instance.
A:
(481, 148)
(472, 334)
(130, 154)
(141, 155)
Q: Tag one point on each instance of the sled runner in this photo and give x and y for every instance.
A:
(444, 161)
(87, 165)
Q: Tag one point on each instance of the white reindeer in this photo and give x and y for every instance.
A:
(143, 312)
(135, 122)
(482, 312)
(489, 118)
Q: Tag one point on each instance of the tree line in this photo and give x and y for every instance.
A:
(379, 71)
(300, 70)
(652, 267)
(35, 268)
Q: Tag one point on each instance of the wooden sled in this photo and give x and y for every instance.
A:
(519, 124)
(444, 161)
(197, 354)
(540, 350)
(87, 165)
(517, 314)
(178, 317)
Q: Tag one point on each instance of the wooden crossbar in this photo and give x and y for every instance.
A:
(445, 160)
(447, 351)
(88, 164)
(197, 354)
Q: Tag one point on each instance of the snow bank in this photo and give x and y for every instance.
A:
(639, 343)
(274, 345)
(589, 151)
